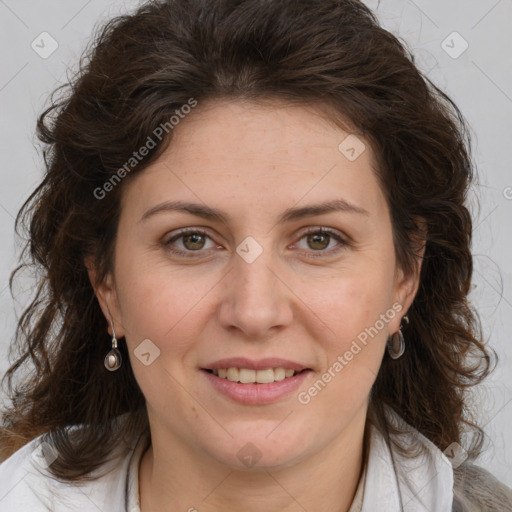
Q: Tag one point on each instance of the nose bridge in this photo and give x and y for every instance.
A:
(256, 300)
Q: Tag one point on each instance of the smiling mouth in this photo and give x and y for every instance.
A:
(250, 376)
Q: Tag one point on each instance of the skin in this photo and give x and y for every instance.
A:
(253, 161)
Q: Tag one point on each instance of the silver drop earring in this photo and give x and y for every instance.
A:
(396, 342)
(113, 358)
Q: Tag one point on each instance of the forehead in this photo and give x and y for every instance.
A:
(261, 154)
(262, 128)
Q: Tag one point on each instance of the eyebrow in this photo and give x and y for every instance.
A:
(290, 214)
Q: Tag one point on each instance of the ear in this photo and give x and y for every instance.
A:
(406, 285)
(106, 294)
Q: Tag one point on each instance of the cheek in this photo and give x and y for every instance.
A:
(164, 305)
(353, 346)
(160, 307)
(357, 308)
(353, 302)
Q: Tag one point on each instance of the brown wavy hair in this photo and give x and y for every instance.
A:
(140, 69)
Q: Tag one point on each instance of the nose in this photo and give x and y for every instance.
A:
(256, 299)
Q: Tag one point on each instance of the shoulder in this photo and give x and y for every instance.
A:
(15, 488)
(27, 484)
(476, 490)
(467, 487)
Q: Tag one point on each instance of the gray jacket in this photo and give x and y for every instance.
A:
(476, 490)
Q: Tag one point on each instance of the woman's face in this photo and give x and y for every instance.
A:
(254, 284)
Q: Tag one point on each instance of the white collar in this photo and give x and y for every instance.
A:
(395, 483)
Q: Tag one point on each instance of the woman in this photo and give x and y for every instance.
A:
(255, 259)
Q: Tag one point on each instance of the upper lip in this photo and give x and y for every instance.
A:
(253, 364)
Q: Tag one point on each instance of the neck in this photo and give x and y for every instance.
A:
(175, 477)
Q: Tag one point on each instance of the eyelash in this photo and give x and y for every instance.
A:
(321, 253)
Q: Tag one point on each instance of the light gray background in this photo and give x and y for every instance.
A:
(479, 80)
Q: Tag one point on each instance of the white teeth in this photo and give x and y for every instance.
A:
(279, 373)
(246, 376)
(249, 376)
(264, 376)
(233, 374)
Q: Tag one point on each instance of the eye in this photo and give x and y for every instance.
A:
(319, 239)
(192, 240)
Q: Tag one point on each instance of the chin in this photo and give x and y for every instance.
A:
(253, 453)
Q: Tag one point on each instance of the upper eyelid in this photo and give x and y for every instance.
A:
(185, 231)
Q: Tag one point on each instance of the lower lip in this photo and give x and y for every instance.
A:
(257, 394)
